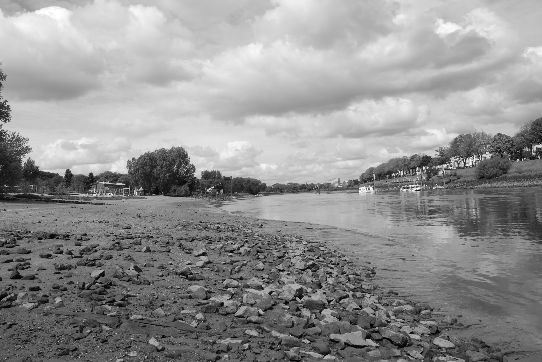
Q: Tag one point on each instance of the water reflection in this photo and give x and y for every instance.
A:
(472, 251)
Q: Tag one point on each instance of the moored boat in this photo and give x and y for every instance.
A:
(366, 189)
(411, 187)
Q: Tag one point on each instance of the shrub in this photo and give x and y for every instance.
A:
(182, 191)
(493, 167)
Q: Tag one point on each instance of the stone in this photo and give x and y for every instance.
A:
(354, 339)
(321, 347)
(97, 274)
(199, 252)
(245, 312)
(291, 291)
(398, 339)
(156, 344)
(443, 343)
(15, 275)
(314, 304)
(230, 283)
(475, 356)
(198, 292)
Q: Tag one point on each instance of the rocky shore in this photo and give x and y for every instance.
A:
(170, 279)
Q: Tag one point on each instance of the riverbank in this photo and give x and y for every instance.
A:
(166, 279)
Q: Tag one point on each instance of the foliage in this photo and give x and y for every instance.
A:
(501, 144)
(68, 177)
(79, 183)
(493, 167)
(463, 147)
(211, 175)
(247, 185)
(30, 170)
(161, 170)
(182, 191)
(13, 147)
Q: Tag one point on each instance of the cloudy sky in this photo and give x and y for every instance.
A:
(280, 90)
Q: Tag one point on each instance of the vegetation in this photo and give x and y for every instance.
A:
(162, 171)
(13, 147)
(493, 167)
(465, 147)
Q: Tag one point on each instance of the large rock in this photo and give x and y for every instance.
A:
(443, 343)
(354, 339)
(198, 292)
(398, 339)
(291, 291)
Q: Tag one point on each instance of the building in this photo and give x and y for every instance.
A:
(104, 188)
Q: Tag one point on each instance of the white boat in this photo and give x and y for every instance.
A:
(411, 188)
(366, 189)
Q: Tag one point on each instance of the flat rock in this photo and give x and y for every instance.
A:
(443, 343)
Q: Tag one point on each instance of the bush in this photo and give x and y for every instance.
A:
(182, 191)
(493, 167)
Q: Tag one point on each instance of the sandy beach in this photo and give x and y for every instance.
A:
(177, 279)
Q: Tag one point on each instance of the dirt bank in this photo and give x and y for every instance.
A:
(173, 279)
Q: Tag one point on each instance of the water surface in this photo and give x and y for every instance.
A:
(477, 253)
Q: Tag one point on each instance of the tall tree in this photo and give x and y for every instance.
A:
(482, 143)
(13, 147)
(501, 144)
(463, 147)
(68, 177)
(162, 170)
(30, 170)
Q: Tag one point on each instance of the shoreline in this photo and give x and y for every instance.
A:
(278, 294)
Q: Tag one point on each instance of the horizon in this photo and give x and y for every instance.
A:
(274, 90)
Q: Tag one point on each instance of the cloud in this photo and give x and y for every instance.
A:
(56, 61)
(83, 154)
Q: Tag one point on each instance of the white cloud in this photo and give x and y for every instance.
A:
(315, 88)
(84, 154)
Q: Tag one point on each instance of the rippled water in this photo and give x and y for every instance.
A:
(474, 252)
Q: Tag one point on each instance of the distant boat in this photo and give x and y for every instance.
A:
(411, 188)
(366, 189)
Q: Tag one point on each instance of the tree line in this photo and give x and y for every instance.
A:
(464, 147)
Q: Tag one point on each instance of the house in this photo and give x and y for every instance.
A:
(110, 188)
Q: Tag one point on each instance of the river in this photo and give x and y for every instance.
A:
(474, 253)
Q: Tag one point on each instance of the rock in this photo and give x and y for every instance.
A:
(146, 249)
(230, 283)
(156, 344)
(314, 304)
(97, 274)
(198, 292)
(443, 343)
(354, 339)
(291, 291)
(252, 332)
(321, 347)
(398, 339)
(15, 275)
(245, 312)
(199, 252)
(475, 356)
(254, 283)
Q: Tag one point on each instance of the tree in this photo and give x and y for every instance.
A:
(90, 180)
(30, 170)
(211, 175)
(161, 170)
(463, 147)
(501, 144)
(79, 183)
(482, 143)
(68, 176)
(13, 147)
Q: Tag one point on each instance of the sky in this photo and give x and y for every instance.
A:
(280, 90)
